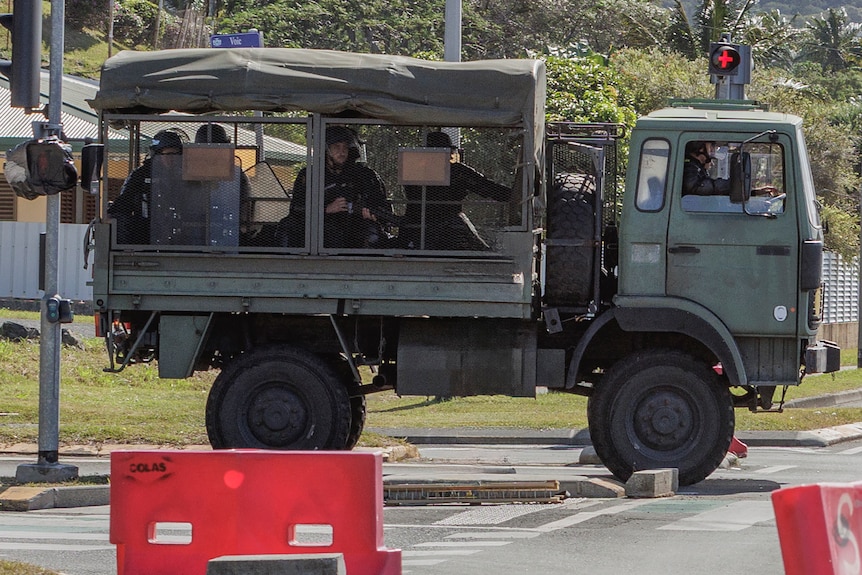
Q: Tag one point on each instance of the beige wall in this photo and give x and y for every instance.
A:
(30, 210)
(846, 335)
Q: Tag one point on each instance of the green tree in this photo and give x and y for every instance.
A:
(832, 41)
(584, 89)
(375, 26)
(772, 38)
(655, 76)
(714, 17)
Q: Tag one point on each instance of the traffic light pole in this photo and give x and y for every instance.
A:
(47, 467)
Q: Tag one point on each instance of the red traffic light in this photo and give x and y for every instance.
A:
(724, 59)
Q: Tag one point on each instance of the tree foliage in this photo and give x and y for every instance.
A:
(832, 41)
(812, 67)
(583, 89)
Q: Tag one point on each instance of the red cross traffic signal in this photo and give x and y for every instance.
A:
(724, 59)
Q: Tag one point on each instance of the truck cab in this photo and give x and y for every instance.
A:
(726, 259)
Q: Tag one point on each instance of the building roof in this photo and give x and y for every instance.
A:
(79, 120)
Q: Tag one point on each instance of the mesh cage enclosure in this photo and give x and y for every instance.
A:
(580, 237)
(195, 183)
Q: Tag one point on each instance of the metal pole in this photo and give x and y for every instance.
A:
(859, 292)
(452, 31)
(110, 27)
(47, 468)
(452, 48)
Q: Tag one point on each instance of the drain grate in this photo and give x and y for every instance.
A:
(475, 493)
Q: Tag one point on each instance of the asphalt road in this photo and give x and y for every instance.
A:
(724, 524)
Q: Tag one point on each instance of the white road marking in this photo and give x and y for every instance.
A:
(851, 451)
(54, 535)
(587, 515)
(774, 469)
(733, 517)
(420, 563)
(461, 544)
(493, 535)
(492, 515)
(52, 547)
(438, 553)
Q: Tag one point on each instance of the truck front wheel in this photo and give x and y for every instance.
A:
(278, 398)
(661, 409)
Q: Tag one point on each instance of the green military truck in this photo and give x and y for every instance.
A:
(667, 310)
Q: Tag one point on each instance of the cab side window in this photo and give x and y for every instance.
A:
(652, 175)
(767, 184)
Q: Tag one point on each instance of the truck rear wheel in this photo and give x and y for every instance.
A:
(569, 268)
(661, 409)
(278, 398)
(357, 421)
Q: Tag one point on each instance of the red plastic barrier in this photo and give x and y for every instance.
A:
(246, 502)
(820, 528)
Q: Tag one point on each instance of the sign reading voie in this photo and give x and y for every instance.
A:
(241, 40)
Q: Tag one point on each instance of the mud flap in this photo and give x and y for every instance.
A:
(180, 340)
(822, 357)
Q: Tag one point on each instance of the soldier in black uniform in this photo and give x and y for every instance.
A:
(354, 198)
(447, 227)
(695, 177)
(131, 209)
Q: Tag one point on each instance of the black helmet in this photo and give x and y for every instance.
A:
(335, 134)
(697, 147)
(166, 139)
(438, 140)
(212, 133)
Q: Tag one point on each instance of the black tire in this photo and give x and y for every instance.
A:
(569, 269)
(357, 421)
(278, 398)
(661, 409)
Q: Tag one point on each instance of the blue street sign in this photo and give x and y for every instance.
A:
(242, 40)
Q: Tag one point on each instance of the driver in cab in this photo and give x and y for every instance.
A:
(696, 179)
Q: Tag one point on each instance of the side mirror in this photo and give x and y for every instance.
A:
(92, 156)
(740, 177)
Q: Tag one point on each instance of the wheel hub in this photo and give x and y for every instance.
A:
(664, 421)
(277, 416)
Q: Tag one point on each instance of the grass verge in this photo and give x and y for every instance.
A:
(18, 568)
(135, 406)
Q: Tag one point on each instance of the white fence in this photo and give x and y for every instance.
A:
(19, 261)
(19, 270)
(841, 289)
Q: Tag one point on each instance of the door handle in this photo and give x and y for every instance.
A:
(684, 250)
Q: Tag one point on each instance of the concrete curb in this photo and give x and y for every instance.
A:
(815, 438)
(24, 498)
(487, 436)
(390, 453)
(831, 400)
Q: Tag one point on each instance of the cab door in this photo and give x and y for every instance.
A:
(739, 260)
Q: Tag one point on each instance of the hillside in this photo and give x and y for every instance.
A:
(804, 8)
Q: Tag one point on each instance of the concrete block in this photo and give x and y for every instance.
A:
(653, 483)
(300, 564)
(45, 473)
(593, 487)
(21, 498)
(588, 456)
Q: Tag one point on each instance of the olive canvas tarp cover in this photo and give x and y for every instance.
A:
(396, 89)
